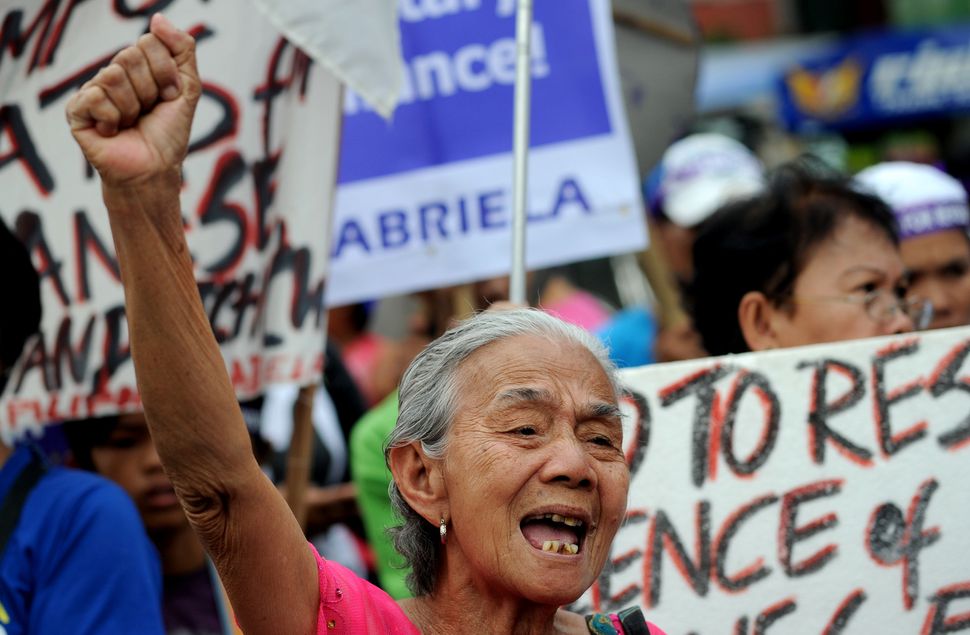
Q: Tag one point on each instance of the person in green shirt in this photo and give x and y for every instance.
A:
(370, 474)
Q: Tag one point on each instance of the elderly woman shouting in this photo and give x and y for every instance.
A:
(507, 457)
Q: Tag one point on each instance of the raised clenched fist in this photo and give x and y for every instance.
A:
(132, 120)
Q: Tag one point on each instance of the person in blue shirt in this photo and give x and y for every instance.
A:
(119, 447)
(74, 557)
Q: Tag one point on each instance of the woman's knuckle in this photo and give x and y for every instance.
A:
(114, 76)
(126, 56)
(146, 40)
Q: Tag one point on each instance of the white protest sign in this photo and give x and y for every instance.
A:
(812, 490)
(425, 201)
(257, 187)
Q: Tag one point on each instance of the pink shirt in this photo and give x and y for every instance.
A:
(579, 308)
(351, 605)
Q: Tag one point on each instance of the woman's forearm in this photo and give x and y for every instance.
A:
(186, 392)
(257, 545)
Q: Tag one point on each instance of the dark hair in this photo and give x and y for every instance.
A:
(84, 435)
(764, 242)
(20, 288)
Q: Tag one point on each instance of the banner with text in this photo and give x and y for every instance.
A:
(881, 77)
(425, 201)
(258, 183)
(812, 490)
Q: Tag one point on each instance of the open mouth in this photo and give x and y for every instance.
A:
(554, 533)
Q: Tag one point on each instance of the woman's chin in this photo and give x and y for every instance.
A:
(560, 595)
(554, 579)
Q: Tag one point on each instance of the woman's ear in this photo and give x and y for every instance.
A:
(756, 317)
(420, 480)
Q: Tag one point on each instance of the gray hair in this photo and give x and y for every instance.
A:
(426, 406)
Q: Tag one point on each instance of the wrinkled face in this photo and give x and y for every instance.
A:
(939, 266)
(128, 458)
(534, 463)
(856, 259)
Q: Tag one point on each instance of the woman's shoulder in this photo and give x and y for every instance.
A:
(349, 604)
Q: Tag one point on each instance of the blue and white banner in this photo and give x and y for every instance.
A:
(425, 200)
(880, 77)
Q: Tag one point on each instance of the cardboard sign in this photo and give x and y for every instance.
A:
(812, 490)
(425, 201)
(257, 186)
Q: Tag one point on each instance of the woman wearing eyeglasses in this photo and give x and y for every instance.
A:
(809, 260)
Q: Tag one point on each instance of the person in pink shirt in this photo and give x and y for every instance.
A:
(507, 457)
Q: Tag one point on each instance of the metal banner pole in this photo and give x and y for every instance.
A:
(520, 149)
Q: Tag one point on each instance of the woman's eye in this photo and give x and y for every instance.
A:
(526, 431)
(955, 270)
(603, 441)
(867, 287)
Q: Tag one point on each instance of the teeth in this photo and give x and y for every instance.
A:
(567, 520)
(555, 546)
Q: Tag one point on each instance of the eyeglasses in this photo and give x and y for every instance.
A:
(882, 306)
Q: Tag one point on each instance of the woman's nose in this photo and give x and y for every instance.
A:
(568, 462)
(149, 458)
(900, 322)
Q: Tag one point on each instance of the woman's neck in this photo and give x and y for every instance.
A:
(464, 607)
(179, 550)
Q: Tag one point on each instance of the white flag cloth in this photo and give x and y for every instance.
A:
(358, 41)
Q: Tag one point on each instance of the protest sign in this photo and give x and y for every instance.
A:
(812, 490)
(258, 182)
(425, 201)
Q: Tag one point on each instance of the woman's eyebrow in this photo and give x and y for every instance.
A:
(863, 269)
(526, 395)
(541, 396)
(602, 410)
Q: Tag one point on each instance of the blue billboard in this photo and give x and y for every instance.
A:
(880, 77)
